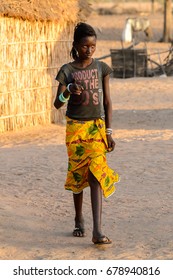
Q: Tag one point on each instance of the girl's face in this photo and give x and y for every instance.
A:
(86, 47)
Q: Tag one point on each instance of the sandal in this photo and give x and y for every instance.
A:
(101, 240)
(79, 232)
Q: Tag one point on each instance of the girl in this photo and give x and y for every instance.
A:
(84, 84)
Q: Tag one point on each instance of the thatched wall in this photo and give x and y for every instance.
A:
(35, 40)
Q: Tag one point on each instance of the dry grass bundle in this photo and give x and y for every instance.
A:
(44, 10)
(28, 69)
(31, 53)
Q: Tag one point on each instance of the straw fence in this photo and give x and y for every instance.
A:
(35, 40)
(29, 61)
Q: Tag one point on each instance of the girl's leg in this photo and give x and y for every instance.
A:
(79, 221)
(96, 202)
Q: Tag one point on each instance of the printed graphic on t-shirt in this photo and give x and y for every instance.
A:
(88, 79)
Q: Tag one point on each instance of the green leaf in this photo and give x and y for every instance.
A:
(107, 181)
(69, 166)
(93, 129)
(77, 177)
(80, 150)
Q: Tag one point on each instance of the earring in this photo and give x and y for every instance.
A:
(77, 54)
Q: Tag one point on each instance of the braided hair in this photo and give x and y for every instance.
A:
(81, 30)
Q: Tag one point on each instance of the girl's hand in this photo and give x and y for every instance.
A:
(111, 143)
(76, 88)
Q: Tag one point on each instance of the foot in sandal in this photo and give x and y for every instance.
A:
(79, 230)
(101, 240)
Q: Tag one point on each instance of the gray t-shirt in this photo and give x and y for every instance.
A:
(89, 104)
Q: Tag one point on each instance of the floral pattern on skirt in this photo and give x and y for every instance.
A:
(86, 143)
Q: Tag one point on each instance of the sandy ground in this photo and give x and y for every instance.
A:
(37, 215)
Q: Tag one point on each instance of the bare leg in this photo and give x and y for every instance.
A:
(96, 202)
(79, 221)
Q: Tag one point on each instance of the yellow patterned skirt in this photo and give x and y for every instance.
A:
(86, 147)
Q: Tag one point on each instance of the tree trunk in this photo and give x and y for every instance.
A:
(167, 21)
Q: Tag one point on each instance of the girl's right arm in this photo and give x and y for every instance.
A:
(74, 89)
(61, 89)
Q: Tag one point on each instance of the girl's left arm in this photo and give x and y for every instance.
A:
(107, 103)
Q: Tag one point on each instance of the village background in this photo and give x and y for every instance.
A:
(37, 216)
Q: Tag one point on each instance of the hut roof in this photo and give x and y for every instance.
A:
(44, 10)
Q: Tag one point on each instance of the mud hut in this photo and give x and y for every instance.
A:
(35, 39)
